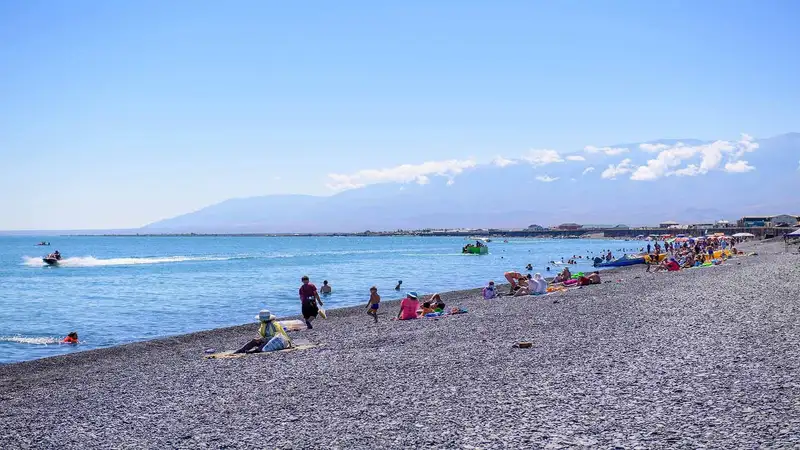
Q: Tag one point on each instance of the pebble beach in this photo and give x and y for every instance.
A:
(701, 358)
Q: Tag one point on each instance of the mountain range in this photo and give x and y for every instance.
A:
(686, 180)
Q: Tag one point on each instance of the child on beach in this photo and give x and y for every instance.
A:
(426, 309)
(489, 291)
(374, 303)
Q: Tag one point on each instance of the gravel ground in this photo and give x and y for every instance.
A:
(698, 358)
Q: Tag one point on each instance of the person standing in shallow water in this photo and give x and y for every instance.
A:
(326, 288)
(309, 297)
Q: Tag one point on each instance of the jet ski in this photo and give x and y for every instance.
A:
(52, 259)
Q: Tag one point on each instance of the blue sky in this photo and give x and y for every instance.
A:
(117, 114)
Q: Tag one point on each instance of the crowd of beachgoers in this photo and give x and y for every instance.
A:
(674, 254)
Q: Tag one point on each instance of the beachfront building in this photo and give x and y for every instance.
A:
(723, 224)
(594, 226)
(535, 227)
(569, 227)
(668, 224)
(769, 221)
(784, 220)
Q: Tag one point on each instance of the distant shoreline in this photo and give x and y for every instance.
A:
(600, 233)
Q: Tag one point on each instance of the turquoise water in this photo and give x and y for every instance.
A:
(113, 290)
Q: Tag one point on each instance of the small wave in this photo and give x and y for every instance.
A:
(91, 261)
(30, 340)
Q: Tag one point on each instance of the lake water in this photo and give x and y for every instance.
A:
(113, 290)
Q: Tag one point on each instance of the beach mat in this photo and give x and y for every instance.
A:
(230, 355)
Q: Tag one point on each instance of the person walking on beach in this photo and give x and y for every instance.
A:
(309, 297)
(374, 303)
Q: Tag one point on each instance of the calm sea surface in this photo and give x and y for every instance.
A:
(113, 290)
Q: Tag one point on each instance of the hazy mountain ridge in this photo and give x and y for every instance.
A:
(511, 196)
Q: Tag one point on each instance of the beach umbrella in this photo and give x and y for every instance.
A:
(744, 235)
(680, 235)
(795, 233)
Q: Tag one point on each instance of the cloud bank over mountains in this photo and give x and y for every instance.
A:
(678, 159)
(637, 183)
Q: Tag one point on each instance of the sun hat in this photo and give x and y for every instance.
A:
(265, 316)
(412, 294)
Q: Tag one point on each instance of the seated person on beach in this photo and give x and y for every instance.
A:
(271, 336)
(426, 309)
(512, 278)
(563, 276)
(374, 303)
(538, 285)
(326, 288)
(668, 265)
(408, 307)
(523, 285)
(489, 292)
(689, 261)
(436, 303)
(593, 278)
(71, 338)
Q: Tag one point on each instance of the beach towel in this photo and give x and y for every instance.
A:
(230, 355)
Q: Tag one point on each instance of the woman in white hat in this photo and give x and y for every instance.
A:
(271, 336)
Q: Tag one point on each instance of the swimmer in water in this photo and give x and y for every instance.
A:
(397, 288)
(71, 338)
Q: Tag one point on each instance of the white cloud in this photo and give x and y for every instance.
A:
(740, 166)
(546, 179)
(575, 158)
(613, 171)
(451, 182)
(746, 145)
(610, 151)
(400, 174)
(689, 171)
(653, 148)
(503, 162)
(543, 157)
(587, 170)
(710, 156)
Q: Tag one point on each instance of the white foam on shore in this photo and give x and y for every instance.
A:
(91, 261)
(30, 340)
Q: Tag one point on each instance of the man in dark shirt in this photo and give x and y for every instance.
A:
(309, 297)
